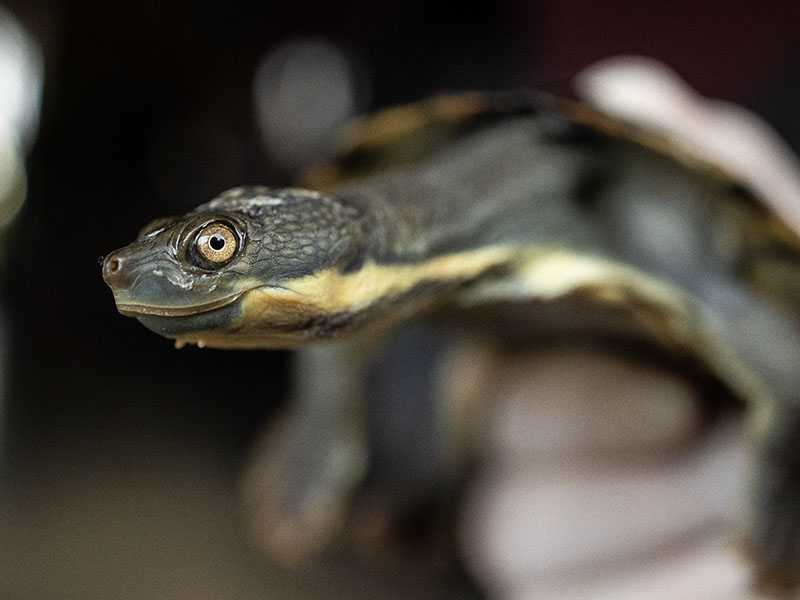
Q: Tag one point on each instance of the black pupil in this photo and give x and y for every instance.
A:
(217, 242)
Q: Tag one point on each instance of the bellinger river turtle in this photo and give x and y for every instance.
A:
(494, 214)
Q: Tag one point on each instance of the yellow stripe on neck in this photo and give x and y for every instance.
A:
(332, 292)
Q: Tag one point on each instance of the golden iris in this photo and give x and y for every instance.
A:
(216, 243)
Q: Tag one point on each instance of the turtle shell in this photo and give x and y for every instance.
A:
(768, 246)
(762, 316)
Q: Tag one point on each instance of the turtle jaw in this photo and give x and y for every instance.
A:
(262, 317)
(131, 309)
(189, 324)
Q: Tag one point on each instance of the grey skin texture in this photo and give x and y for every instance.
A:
(519, 214)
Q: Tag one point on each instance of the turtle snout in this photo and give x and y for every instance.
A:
(116, 273)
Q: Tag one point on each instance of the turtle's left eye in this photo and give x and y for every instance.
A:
(216, 244)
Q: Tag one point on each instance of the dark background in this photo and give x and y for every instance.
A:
(120, 454)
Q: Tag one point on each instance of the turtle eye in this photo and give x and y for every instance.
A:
(216, 243)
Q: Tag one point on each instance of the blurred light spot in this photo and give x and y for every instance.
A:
(13, 179)
(303, 91)
(21, 74)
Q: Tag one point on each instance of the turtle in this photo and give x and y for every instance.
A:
(490, 213)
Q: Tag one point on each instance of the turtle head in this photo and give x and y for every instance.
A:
(230, 273)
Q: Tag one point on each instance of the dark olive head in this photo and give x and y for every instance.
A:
(200, 276)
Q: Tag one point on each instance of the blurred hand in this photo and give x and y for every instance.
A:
(602, 482)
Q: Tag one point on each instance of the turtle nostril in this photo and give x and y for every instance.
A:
(113, 271)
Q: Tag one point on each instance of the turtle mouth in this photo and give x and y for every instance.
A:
(135, 310)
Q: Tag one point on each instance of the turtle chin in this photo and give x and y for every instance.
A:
(193, 326)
